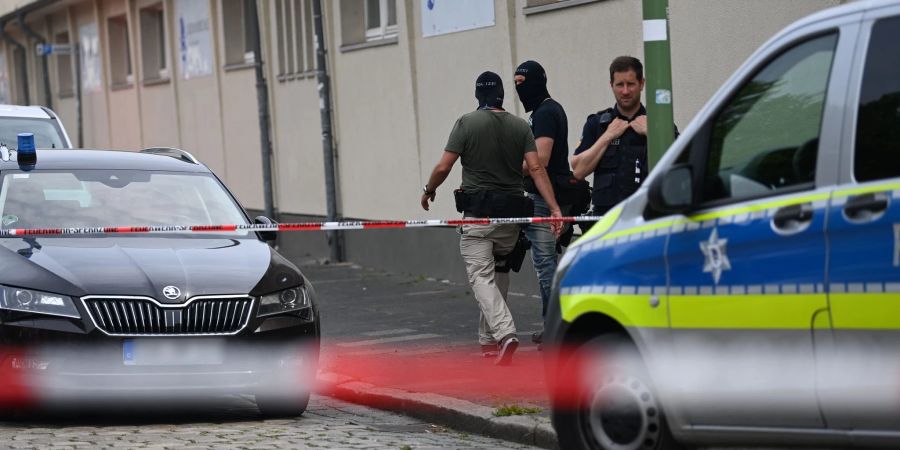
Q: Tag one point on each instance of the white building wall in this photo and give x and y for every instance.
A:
(376, 143)
(711, 39)
(394, 104)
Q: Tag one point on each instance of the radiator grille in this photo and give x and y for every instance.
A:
(139, 317)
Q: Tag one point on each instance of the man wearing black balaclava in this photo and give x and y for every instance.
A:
(550, 128)
(493, 145)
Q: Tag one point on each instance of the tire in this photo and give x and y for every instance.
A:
(279, 395)
(615, 407)
(289, 406)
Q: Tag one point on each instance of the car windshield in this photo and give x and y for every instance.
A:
(46, 134)
(96, 198)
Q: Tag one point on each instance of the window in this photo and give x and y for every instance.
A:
(153, 43)
(21, 81)
(767, 137)
(103, 197)
(368, 23)
(381, 19)
(878, 122)
(537, 6)
(119, 51)
(64, 78)
(5, 95)
(533, 3)
(46, 133)
(238, 30)
(294, 25)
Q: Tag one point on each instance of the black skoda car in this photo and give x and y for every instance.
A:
(146, 316)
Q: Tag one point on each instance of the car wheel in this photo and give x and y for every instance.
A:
(287, 406)
(615, 407)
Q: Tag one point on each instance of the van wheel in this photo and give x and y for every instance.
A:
(288, 406)
(615, 407)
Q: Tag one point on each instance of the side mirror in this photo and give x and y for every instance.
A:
(673, 192)
(267, 236)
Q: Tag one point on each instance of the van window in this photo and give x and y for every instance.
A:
(878, 121)
(767, 137)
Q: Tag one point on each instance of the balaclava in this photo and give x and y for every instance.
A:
(489, 90)
(533, 90)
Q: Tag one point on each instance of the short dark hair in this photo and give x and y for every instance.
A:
(624, 64)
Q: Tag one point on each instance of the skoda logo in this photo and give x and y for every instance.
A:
(171, 292)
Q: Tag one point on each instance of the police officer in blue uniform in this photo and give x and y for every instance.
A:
(614, 141)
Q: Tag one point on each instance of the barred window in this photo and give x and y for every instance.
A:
(294, 25)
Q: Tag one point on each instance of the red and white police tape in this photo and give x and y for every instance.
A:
(298, 226)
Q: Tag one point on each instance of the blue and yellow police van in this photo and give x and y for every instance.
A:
(749, 292)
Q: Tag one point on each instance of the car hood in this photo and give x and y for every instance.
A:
(136, 266)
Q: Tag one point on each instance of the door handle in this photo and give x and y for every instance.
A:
(866, 206)
(793, 218)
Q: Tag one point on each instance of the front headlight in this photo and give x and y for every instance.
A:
(26, 300)
(284, 301)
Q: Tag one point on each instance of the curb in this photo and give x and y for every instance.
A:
(451, 412)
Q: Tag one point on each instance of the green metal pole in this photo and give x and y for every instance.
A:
(658, 72)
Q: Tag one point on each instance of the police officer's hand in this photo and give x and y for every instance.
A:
(556, 227)
(639, 125)
(616, 128)
(425, 197)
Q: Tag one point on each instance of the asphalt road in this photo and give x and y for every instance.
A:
(363, 303)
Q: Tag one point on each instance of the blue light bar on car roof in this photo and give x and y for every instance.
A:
(25, 153)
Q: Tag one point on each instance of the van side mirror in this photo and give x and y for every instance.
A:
(267, 236)
(673, 192)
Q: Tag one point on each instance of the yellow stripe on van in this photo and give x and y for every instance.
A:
(866, 189)
(866, 311)
(648, 227)
(760, 207)
(602, 226)
(777, 311)
(628, 310)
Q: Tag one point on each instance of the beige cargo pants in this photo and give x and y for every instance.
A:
(478, 244)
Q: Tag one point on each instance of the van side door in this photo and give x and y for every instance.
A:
(859, 375)
(747, 270)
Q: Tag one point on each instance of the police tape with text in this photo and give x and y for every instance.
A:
(297, 226)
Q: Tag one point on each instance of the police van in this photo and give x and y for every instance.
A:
(749, 292)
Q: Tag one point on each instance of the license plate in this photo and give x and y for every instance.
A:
(172, 352)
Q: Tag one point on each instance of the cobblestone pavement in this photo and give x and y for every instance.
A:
(235, 423)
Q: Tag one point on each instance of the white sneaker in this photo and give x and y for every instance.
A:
(508, 346)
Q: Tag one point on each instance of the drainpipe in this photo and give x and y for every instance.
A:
(262, 100)
(48, 96)
(76, 50)
(22, 76)
(334, 237)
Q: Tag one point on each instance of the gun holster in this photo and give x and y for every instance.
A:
(513, 260)
(493, 204)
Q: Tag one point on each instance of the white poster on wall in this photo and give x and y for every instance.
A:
(91, 65)
(5, 98)
(450, 16)
(195, 49)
